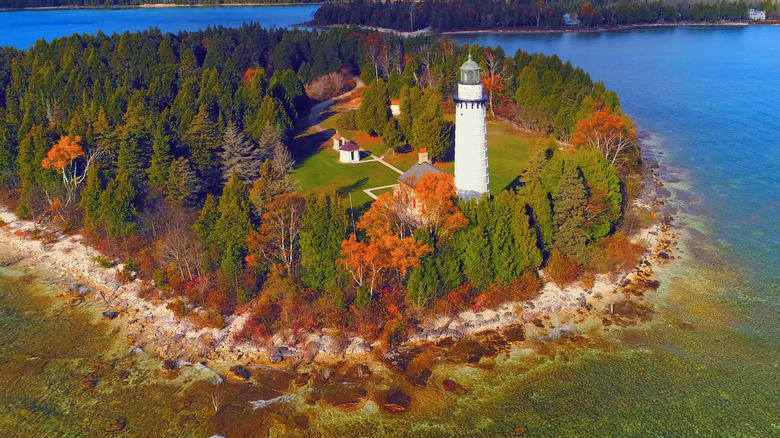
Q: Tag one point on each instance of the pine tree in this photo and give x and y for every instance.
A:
(117, 206)
(160, 163)
(271, 113)
(605, 198)
(374, 110)
(424, 282)
(569, 202)
(90, 197)
(429, 129)
(204, 228)
(541, 212)
(392, 137)
(239, 155)
(202, 138)
(324, 228)
(405, 108)
(181, 184)
(283, 164)
(476, 258)
(233, 226)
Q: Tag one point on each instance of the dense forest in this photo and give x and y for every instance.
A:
(452, 15)
(172, 154)
(19, 4)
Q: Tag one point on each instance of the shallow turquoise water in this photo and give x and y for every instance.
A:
(21, 29)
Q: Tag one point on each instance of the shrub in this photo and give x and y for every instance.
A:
(23, 212)
(562, 270)
(363, 298)
(526, 287)
(347, 121)
(103, 262)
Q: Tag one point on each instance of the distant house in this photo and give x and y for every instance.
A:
(407, 182)
(571, 19)
(349, 152)
(756, 14)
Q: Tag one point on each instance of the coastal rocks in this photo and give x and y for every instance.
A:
(514, 333)
(451, 386)
(116, 425)
(420, 379)
(399, 358)
(239, 373)
(357, 346)
(280, 354)
(397, 401)
(344, 395)
(110, 314)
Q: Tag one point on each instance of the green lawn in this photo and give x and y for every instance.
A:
(318, 170)
(322, 173)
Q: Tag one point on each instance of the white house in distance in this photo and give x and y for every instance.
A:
(756, 14)
(349, 152)
(571, 19)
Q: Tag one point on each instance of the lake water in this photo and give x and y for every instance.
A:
(21, 29)
(707, 364)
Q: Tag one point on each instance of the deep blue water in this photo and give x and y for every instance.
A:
(21, 29)
(712, 95)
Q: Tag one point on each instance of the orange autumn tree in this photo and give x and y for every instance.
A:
(492, 78)
(610, 133)
(388, 245)
(62, 159)
(439, 213)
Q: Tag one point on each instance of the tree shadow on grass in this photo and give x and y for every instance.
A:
(358, 185)
(515, 184)
(303, 147)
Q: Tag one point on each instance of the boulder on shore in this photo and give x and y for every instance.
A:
(398, 401)
(451, 386)
(239, 372)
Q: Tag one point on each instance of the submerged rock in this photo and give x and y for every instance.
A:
(170, 365)
(398, 401)
(117, 425)
(239, 372)
(421, 379)
(89, 382)
(301, 380)
(451, 386)
(110, 314)
(344, 395)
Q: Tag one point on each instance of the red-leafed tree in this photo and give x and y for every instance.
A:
(610, 133)
(437, 196)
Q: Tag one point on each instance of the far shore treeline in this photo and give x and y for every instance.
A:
(174, 154)
(19, 4)
(465, 15)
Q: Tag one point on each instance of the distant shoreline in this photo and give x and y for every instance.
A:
(153, 5)
(531, 30)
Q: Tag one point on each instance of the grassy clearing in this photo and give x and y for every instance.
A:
(318, 170)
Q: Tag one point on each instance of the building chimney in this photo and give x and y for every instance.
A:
(423, 156)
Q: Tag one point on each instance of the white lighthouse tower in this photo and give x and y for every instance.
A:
(471, 160)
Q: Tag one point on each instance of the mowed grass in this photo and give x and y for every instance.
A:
(318, 170)
(322, 173)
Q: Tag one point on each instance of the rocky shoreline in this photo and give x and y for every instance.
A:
(155, 329)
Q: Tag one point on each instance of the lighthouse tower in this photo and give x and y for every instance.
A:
(471, 160)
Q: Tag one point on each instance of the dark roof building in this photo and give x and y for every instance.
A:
(411, 176)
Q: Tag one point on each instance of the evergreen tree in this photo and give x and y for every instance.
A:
(324, 228)
(239, 155)
(202, 138)
(270, 114)
(233, 226)
(118, 211)
(429, 129)
(392, 137)
(374, 110)
(405, 108)
(90, 197)
(423, 283)
(605, 199)
(569, 201)
(160, 163)
(476, 258)
(181, 184)
(204, 228)
(541, 212)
